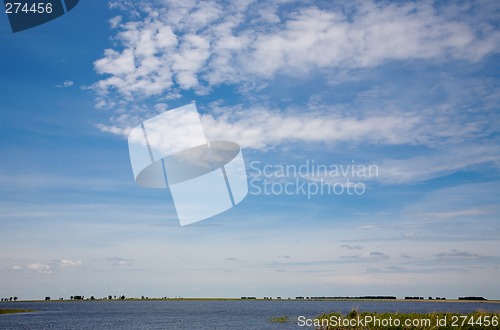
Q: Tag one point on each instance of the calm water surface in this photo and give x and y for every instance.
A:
(188, 314)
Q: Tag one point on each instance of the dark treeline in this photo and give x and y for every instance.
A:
(122, 297)
(9, 299)
(337, 298)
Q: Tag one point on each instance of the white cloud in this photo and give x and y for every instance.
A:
(452, 139)
(441, 162)
(195, 45)
(164, 50)
(117, 261)
(67, 83)
(190, 59)
(455, 254)
(454, 214)
(192, 44)
(351, 247)
(143, 66)
(372, 256)
(113, 22)
(260, 128)
(40, 268)
(69, 263)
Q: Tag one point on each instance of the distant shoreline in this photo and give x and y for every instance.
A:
(256, 299)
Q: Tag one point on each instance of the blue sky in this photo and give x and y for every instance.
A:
(412, 88)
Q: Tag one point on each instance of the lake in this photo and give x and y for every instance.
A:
(204, 314)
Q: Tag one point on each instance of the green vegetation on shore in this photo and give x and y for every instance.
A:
(420, 321)
(15, 311)
(279, 319)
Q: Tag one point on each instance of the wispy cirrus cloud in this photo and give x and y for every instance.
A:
(438, 163)
(455, 254)
(371, 256)
(118, 261)
(351, 247)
